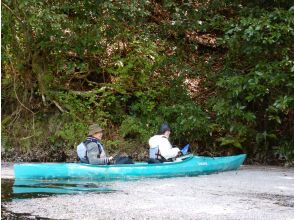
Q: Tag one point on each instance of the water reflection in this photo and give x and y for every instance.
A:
(13, 190)
(58, 186)
(27, 189)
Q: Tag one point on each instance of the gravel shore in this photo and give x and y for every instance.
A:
(253, 192)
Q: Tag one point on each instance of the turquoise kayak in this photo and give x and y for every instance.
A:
(188, 165)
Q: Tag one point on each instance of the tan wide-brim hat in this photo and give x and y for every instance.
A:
(94, 128)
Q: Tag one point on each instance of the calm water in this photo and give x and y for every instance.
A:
(12, 190)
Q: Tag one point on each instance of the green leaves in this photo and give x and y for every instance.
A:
(188, 120)
(227, 141)
(254, 98)
(264, 33)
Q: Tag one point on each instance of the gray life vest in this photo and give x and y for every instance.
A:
(89, 150)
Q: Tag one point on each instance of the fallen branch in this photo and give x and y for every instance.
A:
(59, 107)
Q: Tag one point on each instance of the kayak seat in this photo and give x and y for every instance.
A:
(153, 152)
(153, 155)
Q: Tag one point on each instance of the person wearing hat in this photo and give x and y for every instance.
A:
(91, 150)
(160, 147)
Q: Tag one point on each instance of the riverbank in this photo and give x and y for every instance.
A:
(253, 192)
(7, 171)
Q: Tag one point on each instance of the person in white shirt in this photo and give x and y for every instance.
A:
(160, 148)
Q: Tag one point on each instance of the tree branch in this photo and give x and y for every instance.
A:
(14, 89)
(59, 107)
(12, 12)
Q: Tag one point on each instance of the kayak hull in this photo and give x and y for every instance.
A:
(189, 166)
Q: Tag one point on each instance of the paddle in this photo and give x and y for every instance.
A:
(185, 149)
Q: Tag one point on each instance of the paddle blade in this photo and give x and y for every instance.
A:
(185, 149)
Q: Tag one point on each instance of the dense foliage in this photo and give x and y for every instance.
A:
(220, 72)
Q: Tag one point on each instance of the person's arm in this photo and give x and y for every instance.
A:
(166, 149)
(97, 159)
(103, 161)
